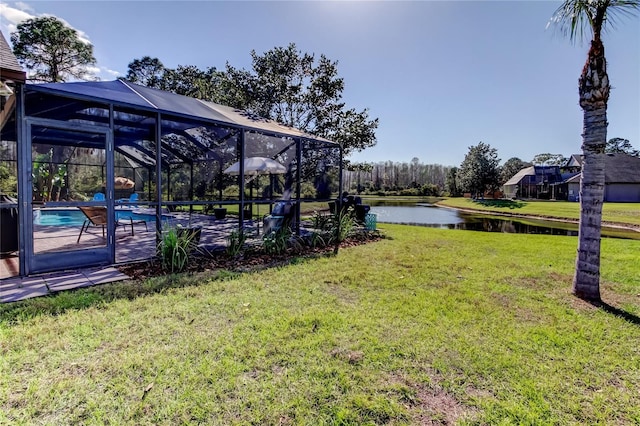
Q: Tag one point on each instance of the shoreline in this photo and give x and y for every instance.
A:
(605, 224)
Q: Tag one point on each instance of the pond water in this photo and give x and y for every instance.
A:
(438, 217)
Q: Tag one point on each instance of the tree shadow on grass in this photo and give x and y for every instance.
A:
(501, 204)
(627, 316)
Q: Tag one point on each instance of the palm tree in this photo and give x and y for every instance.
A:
(574, 18)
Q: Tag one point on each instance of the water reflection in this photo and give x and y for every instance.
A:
(432, 216)
(492, 224)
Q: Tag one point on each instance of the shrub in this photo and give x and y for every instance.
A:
(276, 242)
(409, 192)
(316, 240)
(341, 227)
(233, 192)
(307, 190)
(174, 249)
(430, 190)
(321, 221)
(235, 242)
(334, 228)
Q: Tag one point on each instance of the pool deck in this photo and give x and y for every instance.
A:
(129, 248)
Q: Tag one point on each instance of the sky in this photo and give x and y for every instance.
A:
(441, 76)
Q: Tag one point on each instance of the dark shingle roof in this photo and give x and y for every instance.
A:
(10, 69)
(621, 168)
(618, 168)
(574, 160)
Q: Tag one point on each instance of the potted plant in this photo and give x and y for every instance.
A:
(220, 212)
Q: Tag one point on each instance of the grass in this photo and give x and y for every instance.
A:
(428, 326)
(619, 213)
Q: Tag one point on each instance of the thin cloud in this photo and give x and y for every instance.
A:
(10, 17)
(111, 72)
(93, 70)
(24, 6)
(102, 73)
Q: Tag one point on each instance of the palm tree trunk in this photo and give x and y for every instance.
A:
(594, 94)
(586, 281)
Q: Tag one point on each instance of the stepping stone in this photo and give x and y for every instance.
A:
(67, 281)
(15, 289)
(105, 275)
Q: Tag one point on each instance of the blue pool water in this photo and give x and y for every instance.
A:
(74, 217)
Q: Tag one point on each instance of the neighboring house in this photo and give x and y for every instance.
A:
(573, 164)
(534, 182)
(11, 74)
(573, 188)
(621, 179)
(10, 70)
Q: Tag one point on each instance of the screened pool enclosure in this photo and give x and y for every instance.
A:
(148, 160)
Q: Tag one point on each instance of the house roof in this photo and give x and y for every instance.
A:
(618, 168)
(574, 161)
(621, 168)
(533, 171)
(528, 171)
(574, 179)
(10, 69)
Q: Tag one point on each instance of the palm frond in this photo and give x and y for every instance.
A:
(620, 9)
(577, 19)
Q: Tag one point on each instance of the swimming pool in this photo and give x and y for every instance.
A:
(74, 217)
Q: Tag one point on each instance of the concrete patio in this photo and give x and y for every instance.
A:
(17, 288)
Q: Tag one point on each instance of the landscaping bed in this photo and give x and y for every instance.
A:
(251, 259)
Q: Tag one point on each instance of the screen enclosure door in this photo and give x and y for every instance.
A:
(69, 196)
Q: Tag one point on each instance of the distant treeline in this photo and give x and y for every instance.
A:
(391, 178)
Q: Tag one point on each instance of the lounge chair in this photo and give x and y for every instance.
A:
(97, 216)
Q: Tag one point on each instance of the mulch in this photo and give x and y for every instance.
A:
(250, 260)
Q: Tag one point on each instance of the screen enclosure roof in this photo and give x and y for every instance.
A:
(145, 98)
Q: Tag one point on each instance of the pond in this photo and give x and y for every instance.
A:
(433, 216)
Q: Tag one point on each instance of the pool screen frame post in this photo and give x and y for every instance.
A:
(81, 256)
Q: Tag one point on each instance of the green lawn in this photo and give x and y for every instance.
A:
(427, 326)
(625, 213)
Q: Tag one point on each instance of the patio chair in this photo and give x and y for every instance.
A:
(132, 200)
(351, 203)
(98, 196)
(97, 216)
(282, 214)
